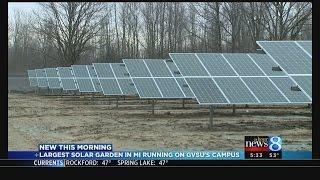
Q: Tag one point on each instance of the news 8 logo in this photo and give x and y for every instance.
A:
(275, 143)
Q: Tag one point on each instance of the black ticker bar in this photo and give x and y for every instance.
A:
(156, 163)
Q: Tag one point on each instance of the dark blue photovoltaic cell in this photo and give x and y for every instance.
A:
(306, 45)
(185, 88)
(216, 64)
(243, 64)
(206, 91)
(266, 64)
(285, 84)
(264, 90)
(235, 90)
(103, 70)
(136, 67)
(146, 88)
(127, 86)
(289, 56)
(120, 70)
(158, 68)
(305, 82)
(169, 88)
(188, 64)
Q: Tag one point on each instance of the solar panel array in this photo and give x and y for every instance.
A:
(41, 78)
(153, 78)
(82, 78)
(67, 79)
(235, 78)
(114, 79)
(282, 75)
(289, 55)
(53, 78)
(32, 78)
(295, 58)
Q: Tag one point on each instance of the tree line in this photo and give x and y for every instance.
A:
(66, 33)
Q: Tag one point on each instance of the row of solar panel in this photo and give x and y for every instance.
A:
(155, 80)
(212, 78)
(282, 75)
(111, 79)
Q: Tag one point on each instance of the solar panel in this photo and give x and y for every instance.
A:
(83, 79)
(305, 82)
(67, 78)
(53, 78)
(41, 78)
(188, 64)
(137, 68)
(32, 73)
(68, 84)
(80, 71)
(85, 85)
(266, 64)
(285, 84)
(173, 68)
(306, 45)
(109, 75)
(110, 87)
(185, 88)
(146, 88)
(206, 91)
(235, 90)
(32, 78)
(103, 70)
(92, 71)
(169, 88)
(120, 70)
(158, 68)
(158, 72)
(216, 64)
(264, 90)
(94, 78)
(127, 86)
(288, 55)
(242, 64)
(65, 72)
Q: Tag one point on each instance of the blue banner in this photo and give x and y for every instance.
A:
(147, 155)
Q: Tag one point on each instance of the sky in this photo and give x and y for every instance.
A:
(22, 6)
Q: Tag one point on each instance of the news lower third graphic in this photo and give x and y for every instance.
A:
(62, 155)
(263, 147)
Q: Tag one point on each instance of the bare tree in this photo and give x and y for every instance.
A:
(73, 25)
(65, 33)
(253, 15)
(284, 20)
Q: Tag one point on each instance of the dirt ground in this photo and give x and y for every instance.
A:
(35, 119)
